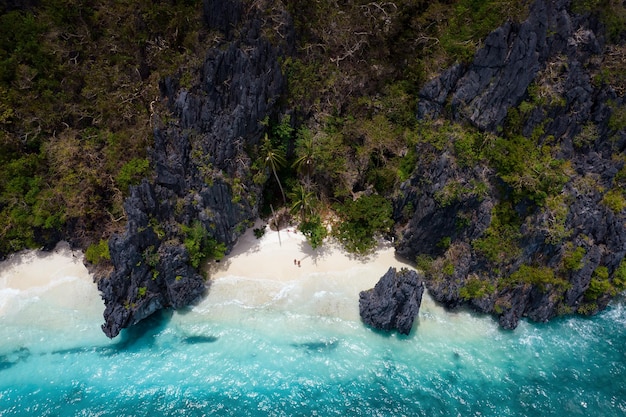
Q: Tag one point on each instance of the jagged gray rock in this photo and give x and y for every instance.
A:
(394, 302)
(499, 75)
(555, 49)
(149, 274)
(197, 157)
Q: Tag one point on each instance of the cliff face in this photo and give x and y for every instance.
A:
(515, 207)
(202, 173)
(506, 235)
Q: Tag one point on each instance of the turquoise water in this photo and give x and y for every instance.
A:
(289, 357)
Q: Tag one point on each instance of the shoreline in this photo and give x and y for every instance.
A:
(260, 273)
(31, 269)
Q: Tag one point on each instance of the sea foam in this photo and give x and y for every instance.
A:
(295, 347)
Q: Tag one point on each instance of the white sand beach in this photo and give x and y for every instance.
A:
(54, 290)
(48, 300)
(260, 272)
(31, 269)
(272, 257)
(257, 273)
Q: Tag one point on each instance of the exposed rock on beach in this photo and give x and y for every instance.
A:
(394, 302)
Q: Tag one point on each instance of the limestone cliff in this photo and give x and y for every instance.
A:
(514, 205)
(529, 230)
(202, 172)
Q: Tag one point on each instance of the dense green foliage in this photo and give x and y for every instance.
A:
(314, 230)
(361, 220)
(528, 168)
(476, 288)
(200, 245)
(572, 261)
(132, 172)
(273, 159)
(78, 82)
(98, 252)
(500, 242)
(539, 276)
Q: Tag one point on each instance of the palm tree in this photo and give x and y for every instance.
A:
(305, 150)
(274, 158)
(302, 202)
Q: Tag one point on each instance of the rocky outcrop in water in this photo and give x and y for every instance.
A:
(548, 241)
(202, 195)
(394, 302)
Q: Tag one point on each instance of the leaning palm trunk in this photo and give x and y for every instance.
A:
(282, 192)
(274, 158)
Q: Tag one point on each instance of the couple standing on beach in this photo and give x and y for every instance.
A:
(296, 262)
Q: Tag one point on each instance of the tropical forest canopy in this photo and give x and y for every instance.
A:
(79, 88)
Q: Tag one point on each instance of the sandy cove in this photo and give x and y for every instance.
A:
(272, 257)
(260, 273)
(46, 294)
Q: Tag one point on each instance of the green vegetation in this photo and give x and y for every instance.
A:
(151, 257)
(305, 153)
(619, 277)
(273, 158)
(314, 230)
(259, 232)
(472, 20)
(499, 243)
(361, 219)
(530, 170)
(303, 202)
(599, 284)
(424, 263)
(77, 80)
(370, 137)
(448, 268)
(587, 137)
(572, 259)
(618, 117)
(132, 172)
(455, 191)
(614, 199)
(556, 210)
(467, 143)
(541, 277)
(476, 288)
(611, 13)
(444, 243)
(200, 245)
(98, 252)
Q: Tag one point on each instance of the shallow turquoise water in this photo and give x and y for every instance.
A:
(281, 359)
